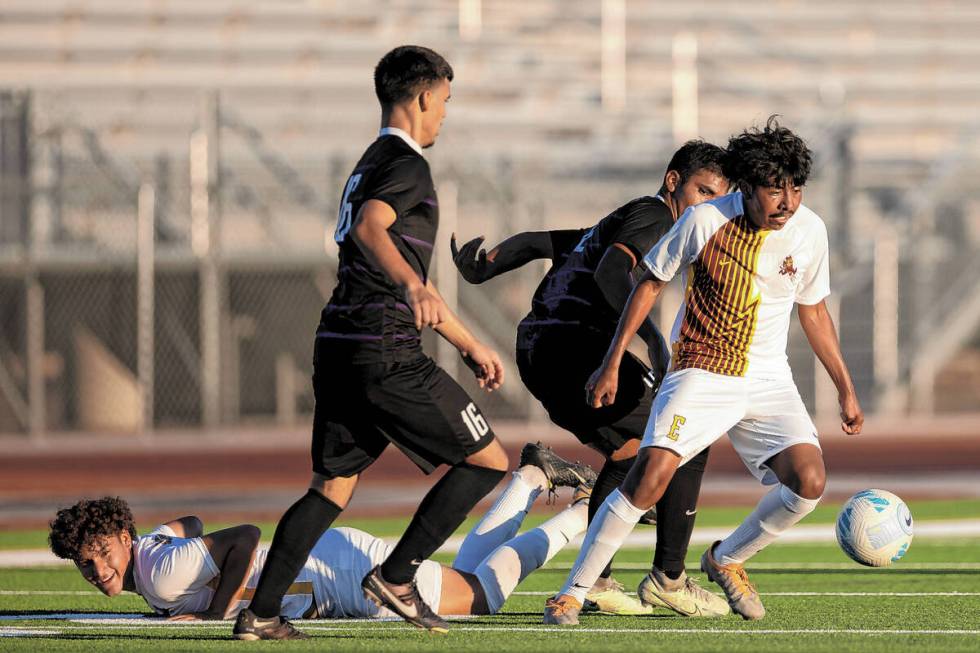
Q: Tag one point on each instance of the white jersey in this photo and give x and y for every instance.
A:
(741, 283)
(178, 575)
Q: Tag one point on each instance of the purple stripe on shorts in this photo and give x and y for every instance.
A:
(561, 298)
(431, 201)
(548, 322)
(353, 307)
(415, 241)
(364, 337)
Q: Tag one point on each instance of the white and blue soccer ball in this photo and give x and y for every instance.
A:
(874, 528)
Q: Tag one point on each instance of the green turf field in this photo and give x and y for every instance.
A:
(817, 601)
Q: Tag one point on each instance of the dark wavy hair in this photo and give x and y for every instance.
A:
(85, 524)
(769, 156)
(406, 70)
(697, 155)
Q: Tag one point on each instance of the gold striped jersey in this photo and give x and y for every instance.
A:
(741, 283)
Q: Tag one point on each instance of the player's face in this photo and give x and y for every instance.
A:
(105, 563)
(702, 186)
(434, 103)
(771, 207)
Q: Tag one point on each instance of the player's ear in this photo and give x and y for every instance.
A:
(126, 539)
(425, 99)
(671, 180)
(745, 188)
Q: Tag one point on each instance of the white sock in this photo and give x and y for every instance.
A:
(503, 519)
(510, 563)
(610, 527)
(777, 511)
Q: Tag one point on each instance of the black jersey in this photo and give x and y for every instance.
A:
(367, 311)
(568, 295)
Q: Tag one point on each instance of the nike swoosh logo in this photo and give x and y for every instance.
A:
(723, 262)
(690, 512)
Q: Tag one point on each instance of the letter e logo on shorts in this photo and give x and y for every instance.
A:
(675, 427)
(474, 421)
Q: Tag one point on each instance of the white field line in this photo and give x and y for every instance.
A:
(210, 625)
(645, 539)
(791, 566)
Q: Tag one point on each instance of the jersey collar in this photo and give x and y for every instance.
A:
(402, 134)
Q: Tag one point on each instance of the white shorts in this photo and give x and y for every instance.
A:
(340, 560)
(762, 417)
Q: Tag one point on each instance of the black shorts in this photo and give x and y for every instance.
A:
(556, 370)
(414, 404)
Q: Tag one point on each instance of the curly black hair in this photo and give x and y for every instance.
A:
(696, 155)
(86, 523)
(769, 156)
(406, 70)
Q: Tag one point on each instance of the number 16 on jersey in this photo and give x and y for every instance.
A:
(346, 217)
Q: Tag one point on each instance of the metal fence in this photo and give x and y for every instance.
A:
(183, 291)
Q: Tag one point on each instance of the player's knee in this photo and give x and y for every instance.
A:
(810, 482)
(492, 457)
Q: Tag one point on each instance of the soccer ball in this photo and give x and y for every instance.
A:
(874, 528)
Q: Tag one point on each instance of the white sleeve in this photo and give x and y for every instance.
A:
(680, 246)
(180, 567)
(815, 285)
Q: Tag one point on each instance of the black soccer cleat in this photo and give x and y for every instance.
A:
(560, 472)
(409, 606)
(249, 627)
(650, 517)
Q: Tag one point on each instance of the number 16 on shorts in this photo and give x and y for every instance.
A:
(474, 421)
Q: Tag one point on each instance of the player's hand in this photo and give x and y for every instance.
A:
(851, 415)
(470, 259)
(600, 390)
(427, 308)
(486, 366)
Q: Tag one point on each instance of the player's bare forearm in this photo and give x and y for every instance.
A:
(482, 360)
(233, 550)
(189, 526)
(370, 232)
(820, 332)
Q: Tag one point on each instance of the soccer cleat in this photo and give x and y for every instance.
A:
(608, 595)
(250, 627)
(741, 594)
(683, 595)
(560, 472)
(582, 494)
(409, 606)
(649, 517)
(562, 611)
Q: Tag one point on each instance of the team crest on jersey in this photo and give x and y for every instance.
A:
(787, 268)
(160, 538)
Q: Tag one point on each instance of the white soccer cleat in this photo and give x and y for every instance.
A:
(683, 595)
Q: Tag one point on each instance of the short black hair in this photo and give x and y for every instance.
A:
(769, 156)
(85, 524)
(407, 70)
(697, 155)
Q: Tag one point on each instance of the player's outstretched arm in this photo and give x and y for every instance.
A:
(601, 388)
(819, 329)
(476, 265)
(370, 232)
(232, 550)
(482, 360)
(189, 526)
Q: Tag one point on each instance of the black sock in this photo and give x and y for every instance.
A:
(611, 476)
(439, 515)
(298, 530)
(676, 512)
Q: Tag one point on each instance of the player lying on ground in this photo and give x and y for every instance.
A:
(747, 258)
(563, 339)
(184, 573)
(372, 381)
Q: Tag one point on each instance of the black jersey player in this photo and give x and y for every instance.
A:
(573, 317)
(372, 382)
